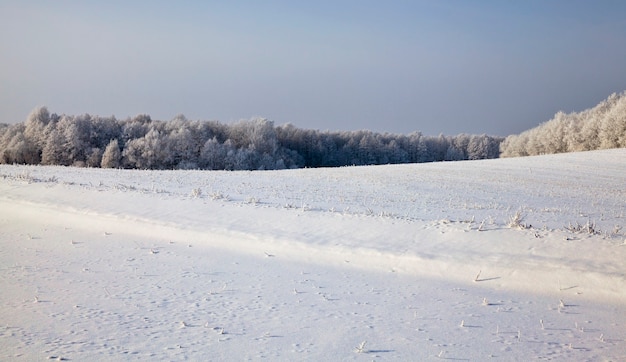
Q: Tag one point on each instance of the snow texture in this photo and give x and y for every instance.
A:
(510, 259)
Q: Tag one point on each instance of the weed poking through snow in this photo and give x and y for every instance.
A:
(517, 221)
(197, 192)
(361, 347)
(476, 280)
(588, 228)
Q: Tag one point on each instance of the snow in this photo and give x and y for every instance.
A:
(398, 262)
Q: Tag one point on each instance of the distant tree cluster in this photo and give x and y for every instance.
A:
(143, 143)
(600, 127)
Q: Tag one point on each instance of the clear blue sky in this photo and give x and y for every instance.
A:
(496, 67)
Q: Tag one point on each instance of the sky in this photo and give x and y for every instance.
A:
(445, 66)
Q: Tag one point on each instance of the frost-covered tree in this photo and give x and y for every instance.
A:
(213, 155)
(35, 130)
(612, 126)
(135, 128)
(77, 133)
(54, 150)
(249, 144)
(181, 147)
(103, 130)
(94, 157)
(603, 126)
(453, 154)
(146, 152)
(482, 147)
(112, 155)
(21, 150)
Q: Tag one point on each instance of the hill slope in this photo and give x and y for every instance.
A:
(419, 261)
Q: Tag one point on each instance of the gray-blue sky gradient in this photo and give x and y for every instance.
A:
(496, 67)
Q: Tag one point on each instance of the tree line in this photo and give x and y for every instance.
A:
(142, 143)
(599, 127)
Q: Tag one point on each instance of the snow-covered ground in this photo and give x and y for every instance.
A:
(404, 262)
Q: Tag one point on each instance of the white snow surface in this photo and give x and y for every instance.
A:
(400, 262)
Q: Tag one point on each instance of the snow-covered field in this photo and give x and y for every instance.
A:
(405, 262)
